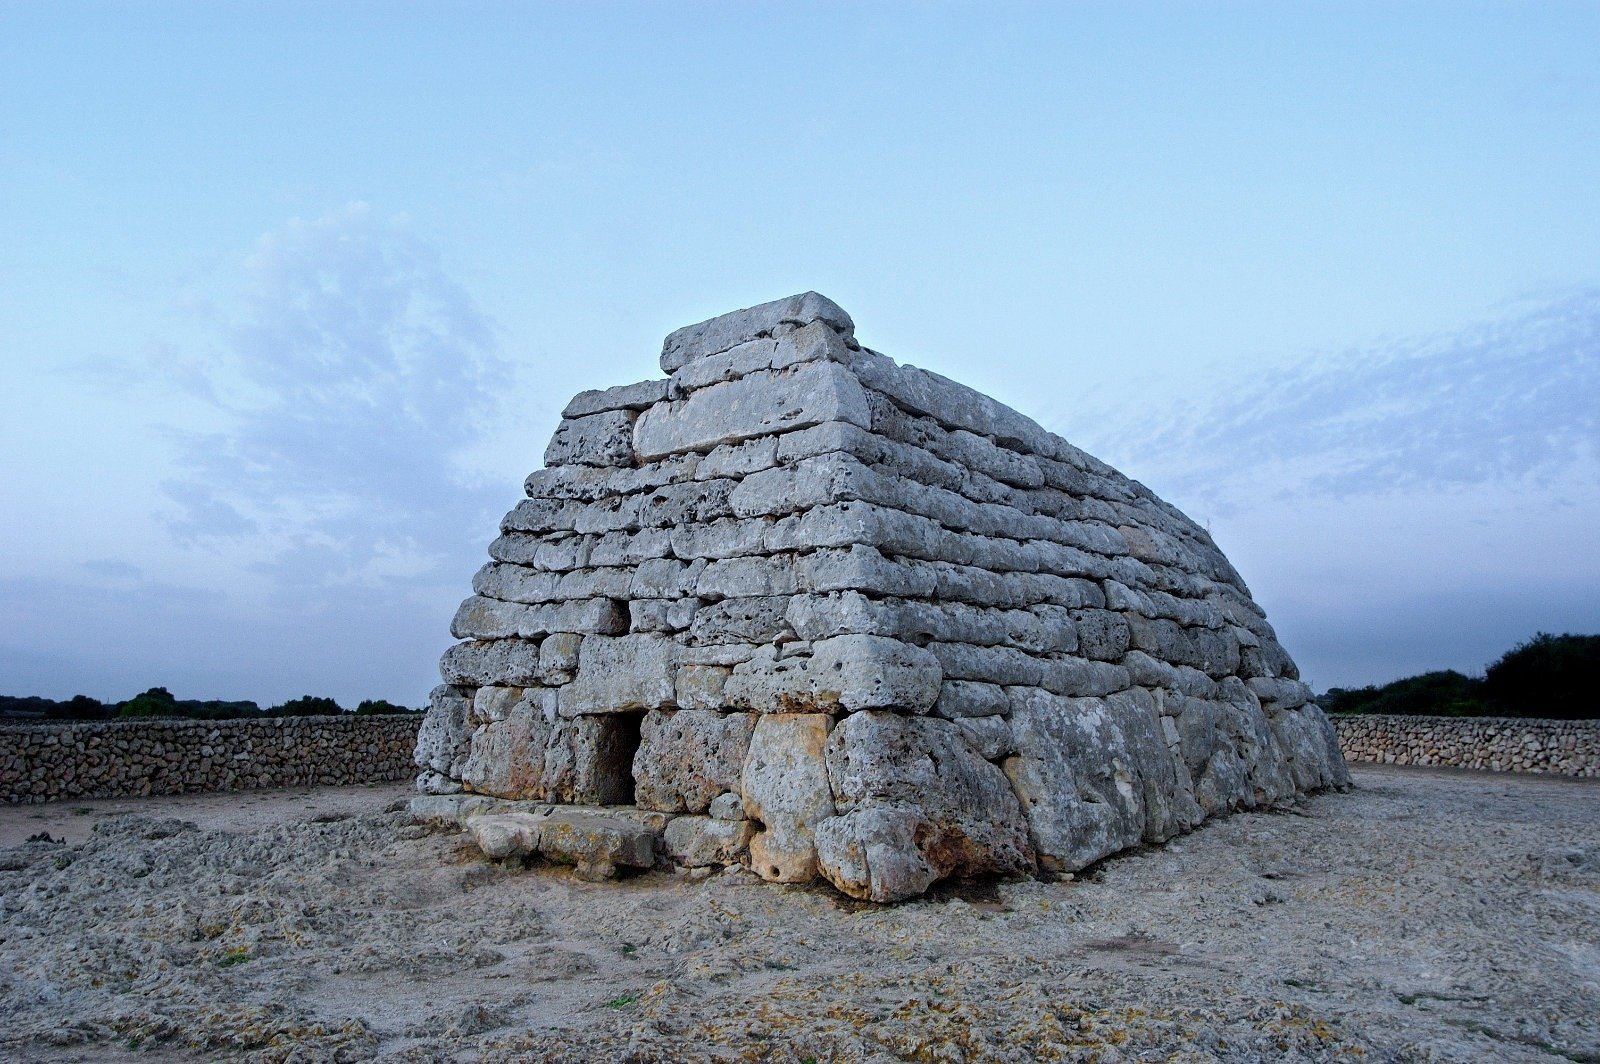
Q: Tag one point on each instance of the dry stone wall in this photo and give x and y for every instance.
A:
(116, 759)
(892, 629)
(1502, 744)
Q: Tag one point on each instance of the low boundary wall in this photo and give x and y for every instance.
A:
(115, 759)
(118, 759)
(1503, 744)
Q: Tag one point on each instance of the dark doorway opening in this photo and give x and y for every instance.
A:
(613, 763)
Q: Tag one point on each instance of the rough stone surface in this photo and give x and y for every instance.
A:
(618, 674)
(897, 626)
(758, 405)
(506, 752)
(503, 835)
(700, 842)
(785, 787)
(137, 758)
(729, 330)
(604, 439)
(848, 672)
(917, 803)
(596, 845)
(689, 756)
(1501, 744)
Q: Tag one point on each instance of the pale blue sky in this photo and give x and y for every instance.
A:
(291, 295)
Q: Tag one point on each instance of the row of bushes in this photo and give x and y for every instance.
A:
(159, 702)
(1554, 676)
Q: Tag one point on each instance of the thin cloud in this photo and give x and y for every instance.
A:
(112, 569)
(1511, 400)
(351, 372)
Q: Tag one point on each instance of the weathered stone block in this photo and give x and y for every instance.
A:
(1074, 777)
(700, 842)
(970, 698)
(757, 405)
(508, 662)
(621, 673)
(503, 835)
(729, 330)
(689, 756)
(747, 578)
(623, 397)
(596, 845)
(727, 806)
(847, 672)
(929, 807)
(760, 619)
(701, 686)
(558, 657)
(506, 755)
(604, 439)
(785, 788)
(661, 615)
(869, 672)
(443, 737)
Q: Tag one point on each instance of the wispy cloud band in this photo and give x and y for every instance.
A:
(1513, 399)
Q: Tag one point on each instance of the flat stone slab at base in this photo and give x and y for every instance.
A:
(595, 840)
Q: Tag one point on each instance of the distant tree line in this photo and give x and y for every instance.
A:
(1548, 676)
(159, 702)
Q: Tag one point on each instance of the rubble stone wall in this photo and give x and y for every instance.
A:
(117, 759)
(1502, 744)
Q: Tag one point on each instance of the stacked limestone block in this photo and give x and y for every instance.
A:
(850, 618)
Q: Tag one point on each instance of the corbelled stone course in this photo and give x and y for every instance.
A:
(885, 627)
(116, 759)
(1501, 744)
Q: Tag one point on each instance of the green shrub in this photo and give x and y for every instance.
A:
(32, 707)
(81, 707)
(156, 702)
(306, 706)
(380, 705)
(1548, 676)
(1440, 694)
(160, 702)
(216, 709)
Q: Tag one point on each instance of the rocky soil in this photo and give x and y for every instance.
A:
(1423, 916)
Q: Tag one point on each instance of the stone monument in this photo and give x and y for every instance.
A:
(801, 608)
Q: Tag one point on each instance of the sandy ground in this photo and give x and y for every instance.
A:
(1423, 916)
(73, 820)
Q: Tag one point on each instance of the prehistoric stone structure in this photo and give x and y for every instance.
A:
(800, 607)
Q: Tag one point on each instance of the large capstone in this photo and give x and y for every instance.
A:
(802, 608)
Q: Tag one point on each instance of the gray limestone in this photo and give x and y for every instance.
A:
(598, 439)
(621, 673)
(769, 319)
(804, 609)
(689, 756)
(757, 405)
(641, 396)
(701, 842)
(916, 802)
(786, 789)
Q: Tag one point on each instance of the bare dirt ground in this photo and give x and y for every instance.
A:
(1424, 916)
